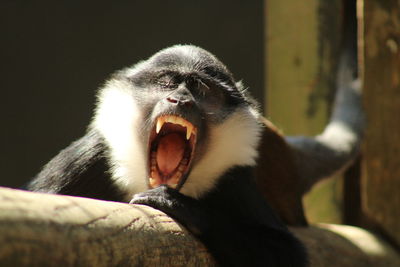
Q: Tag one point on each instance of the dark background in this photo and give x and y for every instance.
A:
(55, 54)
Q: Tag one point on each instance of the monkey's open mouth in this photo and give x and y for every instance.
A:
(171, 147)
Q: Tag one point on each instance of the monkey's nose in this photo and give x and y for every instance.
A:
(180, 101)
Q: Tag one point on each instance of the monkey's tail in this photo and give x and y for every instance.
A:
(338, 145)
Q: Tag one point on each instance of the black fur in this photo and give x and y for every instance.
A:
(233, 221)
(81, 169)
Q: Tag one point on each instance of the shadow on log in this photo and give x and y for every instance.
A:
(49, 230)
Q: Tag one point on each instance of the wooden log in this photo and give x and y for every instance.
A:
(51, 230)
(381, 78)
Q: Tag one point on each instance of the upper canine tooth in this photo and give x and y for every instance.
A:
(160, 122)
(189, 129)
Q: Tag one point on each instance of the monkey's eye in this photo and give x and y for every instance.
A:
(197, 86)
(167, 82)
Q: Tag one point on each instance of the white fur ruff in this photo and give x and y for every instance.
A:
(118, 118)
(232, 143)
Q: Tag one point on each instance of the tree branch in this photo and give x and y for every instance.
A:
(47, 230)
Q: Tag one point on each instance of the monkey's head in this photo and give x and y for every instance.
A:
(179, 119)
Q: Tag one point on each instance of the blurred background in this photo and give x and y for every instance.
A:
(55, 54)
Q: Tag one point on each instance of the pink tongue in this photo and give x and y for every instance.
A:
(170, 152)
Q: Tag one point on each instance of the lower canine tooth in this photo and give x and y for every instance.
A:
(173, 184)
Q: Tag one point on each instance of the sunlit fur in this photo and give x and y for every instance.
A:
(233, 142)
(118, 119)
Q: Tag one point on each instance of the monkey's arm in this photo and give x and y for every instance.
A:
(337, 146)
(233, 236)
(81, 169)
(298, 162)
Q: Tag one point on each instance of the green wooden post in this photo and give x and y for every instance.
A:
(301, 55)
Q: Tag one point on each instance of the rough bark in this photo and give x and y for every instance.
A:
(49, 230)
(381, 77)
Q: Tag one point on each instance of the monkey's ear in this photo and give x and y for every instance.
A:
(240, 85)
(243, 89)
(277, 176)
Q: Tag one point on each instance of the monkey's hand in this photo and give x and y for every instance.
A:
(186, 210)
(232, 242)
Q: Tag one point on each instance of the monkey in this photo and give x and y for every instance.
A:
(178, 133)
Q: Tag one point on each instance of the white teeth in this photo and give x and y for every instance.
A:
(189, 129)
(176, 120)
(153, 161)
(152, 182)
(173, 119)
(181, 168)
(160, 123)
(173, 185)
(180, 121)
(156, 178)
